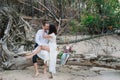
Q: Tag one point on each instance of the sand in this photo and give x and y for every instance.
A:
(63, 73)
(108, 45)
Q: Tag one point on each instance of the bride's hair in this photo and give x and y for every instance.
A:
(52, 29)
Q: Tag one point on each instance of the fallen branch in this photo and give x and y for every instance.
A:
(88, 38)
(104, 61)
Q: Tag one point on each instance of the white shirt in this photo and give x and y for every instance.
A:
(39, 38)
(43, 54)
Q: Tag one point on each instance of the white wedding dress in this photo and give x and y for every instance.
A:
(50, 58)
(53, 53)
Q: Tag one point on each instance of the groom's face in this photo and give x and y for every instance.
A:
(46, 26)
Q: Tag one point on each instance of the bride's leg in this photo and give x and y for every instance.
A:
(45, 48)
(39, 48)
(34, 52)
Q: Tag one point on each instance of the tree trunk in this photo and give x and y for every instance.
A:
(17, 63)
(104, 61)
(16, 33)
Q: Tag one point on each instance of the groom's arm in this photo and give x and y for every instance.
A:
(38, 36)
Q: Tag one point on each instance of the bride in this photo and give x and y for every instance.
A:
(51, 48)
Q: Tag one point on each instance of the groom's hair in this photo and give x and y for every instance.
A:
(45, 22)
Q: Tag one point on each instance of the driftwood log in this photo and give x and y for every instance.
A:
(93, 60)
(16, 36)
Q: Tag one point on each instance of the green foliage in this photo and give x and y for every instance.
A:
(75, 26)
(101, 16)
(88, 20)
(91, 22)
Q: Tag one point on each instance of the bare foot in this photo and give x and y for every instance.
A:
(45, 71)
(36, 74)
(51, 76)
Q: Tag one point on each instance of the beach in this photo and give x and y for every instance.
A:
(107, 45)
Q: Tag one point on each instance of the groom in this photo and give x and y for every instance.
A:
(44, 55)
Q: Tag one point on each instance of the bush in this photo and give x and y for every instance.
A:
(91, 22)
(76, 27)
(101, 16)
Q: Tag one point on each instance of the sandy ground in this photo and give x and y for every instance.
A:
(109, 45)
(63, 73)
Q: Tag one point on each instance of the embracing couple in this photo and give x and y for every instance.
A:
(46, 48)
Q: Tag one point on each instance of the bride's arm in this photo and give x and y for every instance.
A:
(46, 36)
